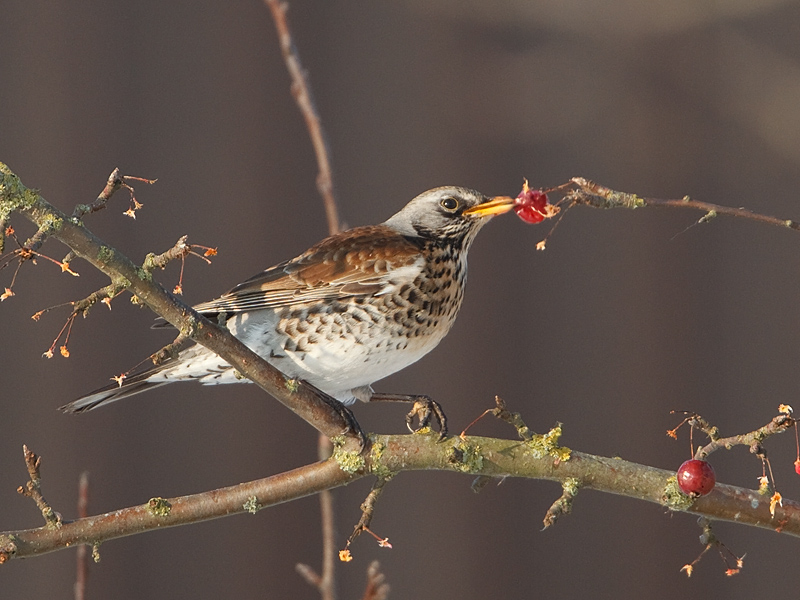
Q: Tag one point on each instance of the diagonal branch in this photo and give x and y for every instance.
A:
(304, 400)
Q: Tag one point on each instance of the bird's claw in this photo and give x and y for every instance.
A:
(424, 408)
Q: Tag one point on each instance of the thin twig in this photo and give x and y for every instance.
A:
(593, 194)
(753, 439)
(301, 90)
(82, 554)
(115, 181)
(33, 489)
(327, 585)
(324, 583)
(377, 588)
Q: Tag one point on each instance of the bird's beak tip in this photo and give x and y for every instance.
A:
(494, 206)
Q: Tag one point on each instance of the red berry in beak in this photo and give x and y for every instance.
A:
(530, 205)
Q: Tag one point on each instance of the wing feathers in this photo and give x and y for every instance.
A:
(360, 262)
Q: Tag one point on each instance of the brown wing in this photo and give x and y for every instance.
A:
(364, 261)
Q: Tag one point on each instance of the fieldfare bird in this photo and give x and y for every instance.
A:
(353, 309)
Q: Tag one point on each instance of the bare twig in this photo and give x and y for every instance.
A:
(593, 194)
(115, 181)
(368, 510)
(82, 558)
(753, 439)
(301, 90)
(710, 540)
(325, 583)
(33, 489)
(377, 588)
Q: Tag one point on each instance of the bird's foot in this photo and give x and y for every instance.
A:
(424, 408)
(352, 425)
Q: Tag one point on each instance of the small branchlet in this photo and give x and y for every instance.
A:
(179, 251)
(753, 440)
(114, 182)
(513, 419)
(169, 351)
(562, 506)
(367, 512)
(8, 548)
(33, 489)
(23, 253)
(501, 412)
(710, 540)
(781, 423)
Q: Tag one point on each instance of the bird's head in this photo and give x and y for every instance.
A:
(452, 214)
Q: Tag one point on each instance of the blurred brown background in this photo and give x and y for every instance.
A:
(625, 317)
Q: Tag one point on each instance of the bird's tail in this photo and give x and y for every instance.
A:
(105, 395)
(133, 384)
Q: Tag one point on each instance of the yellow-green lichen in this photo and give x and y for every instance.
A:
(377, 467)
(673, 498)
(96, 552)
(252, 506)
(349, 461)
(292, 385)
(144, 274)
(542, 445)
(50, 223)
(13, 195)
(104, 254)
(571, 485)
(158, 507)
(464, 456)
(190, 328)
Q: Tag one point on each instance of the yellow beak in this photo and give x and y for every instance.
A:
(495, 206)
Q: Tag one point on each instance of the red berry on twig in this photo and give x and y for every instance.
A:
(696, 477)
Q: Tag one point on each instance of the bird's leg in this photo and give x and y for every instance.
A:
(423, 408)
(351, 424)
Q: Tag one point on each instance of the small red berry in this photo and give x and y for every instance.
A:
(797, 466)
(696, 477)
(529, 205)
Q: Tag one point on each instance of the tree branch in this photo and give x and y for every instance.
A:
(304, 400)
(535, 456)
(392, 454)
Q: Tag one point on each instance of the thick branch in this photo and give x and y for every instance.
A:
(392, 454)
(159, 512)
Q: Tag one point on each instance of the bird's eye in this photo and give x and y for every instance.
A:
(449, 203)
